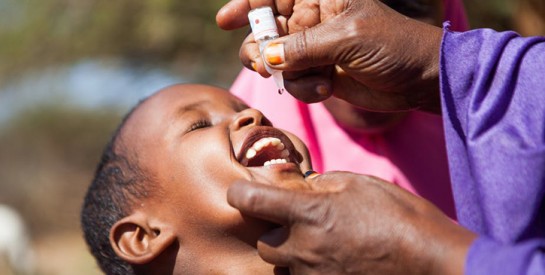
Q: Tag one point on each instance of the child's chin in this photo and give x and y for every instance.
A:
(281, 175)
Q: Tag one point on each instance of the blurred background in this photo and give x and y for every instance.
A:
(69, 69)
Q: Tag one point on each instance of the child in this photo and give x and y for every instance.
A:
(157, 204)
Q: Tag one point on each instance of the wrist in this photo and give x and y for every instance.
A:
(427, 87)
(437, 244)
(452, 249)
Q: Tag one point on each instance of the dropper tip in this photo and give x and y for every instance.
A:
(279, 80)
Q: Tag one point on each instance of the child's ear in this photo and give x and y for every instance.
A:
(138, 241)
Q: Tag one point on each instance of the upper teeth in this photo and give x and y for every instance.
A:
(265, 142)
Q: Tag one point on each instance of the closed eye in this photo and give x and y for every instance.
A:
(199, 125)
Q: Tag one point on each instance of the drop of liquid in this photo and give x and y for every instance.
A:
(280, 91)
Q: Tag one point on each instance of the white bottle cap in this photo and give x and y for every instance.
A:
(262, 23)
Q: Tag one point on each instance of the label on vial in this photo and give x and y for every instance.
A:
(262, 23)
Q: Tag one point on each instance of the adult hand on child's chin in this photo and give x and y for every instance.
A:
(360, 51)
(353, 223)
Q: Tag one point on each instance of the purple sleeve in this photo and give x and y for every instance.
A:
(493, 105)
(487, 256)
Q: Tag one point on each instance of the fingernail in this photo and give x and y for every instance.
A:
(274, 53)
(254, 66)
(322, 90)
(311, 174)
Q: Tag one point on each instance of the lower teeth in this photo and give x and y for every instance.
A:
(274, 161)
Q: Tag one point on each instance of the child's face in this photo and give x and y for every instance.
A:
(194, 141)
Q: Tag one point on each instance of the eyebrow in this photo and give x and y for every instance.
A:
(190, 107)
(236, 105)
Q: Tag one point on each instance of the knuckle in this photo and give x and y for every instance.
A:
(251, 200)
(354, 28)
(300, 51)
(244, 58)
(326, 220)
(351, 38)
(318, 212)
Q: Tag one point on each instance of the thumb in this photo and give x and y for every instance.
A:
(330, 181)
(279, 205)
(313, 47)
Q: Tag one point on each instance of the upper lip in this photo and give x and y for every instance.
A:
(260, 132)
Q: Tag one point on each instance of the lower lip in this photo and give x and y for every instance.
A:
(289, 166)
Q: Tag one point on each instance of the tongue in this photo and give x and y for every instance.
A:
(265, 154)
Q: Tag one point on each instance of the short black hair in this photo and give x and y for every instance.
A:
(117, 182)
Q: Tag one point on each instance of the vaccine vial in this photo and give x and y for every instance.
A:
(264, 29)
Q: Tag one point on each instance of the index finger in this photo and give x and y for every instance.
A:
(282, 206)
(234, 15)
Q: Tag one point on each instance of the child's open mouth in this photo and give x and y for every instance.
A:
(266, 147)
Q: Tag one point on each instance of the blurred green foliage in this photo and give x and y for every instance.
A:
(181, 35)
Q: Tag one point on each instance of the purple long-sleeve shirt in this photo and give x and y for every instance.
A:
(493, 101)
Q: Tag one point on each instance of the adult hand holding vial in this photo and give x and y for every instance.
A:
(264, 29)
(360, 51)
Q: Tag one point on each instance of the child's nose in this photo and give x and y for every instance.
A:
(250, 117)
